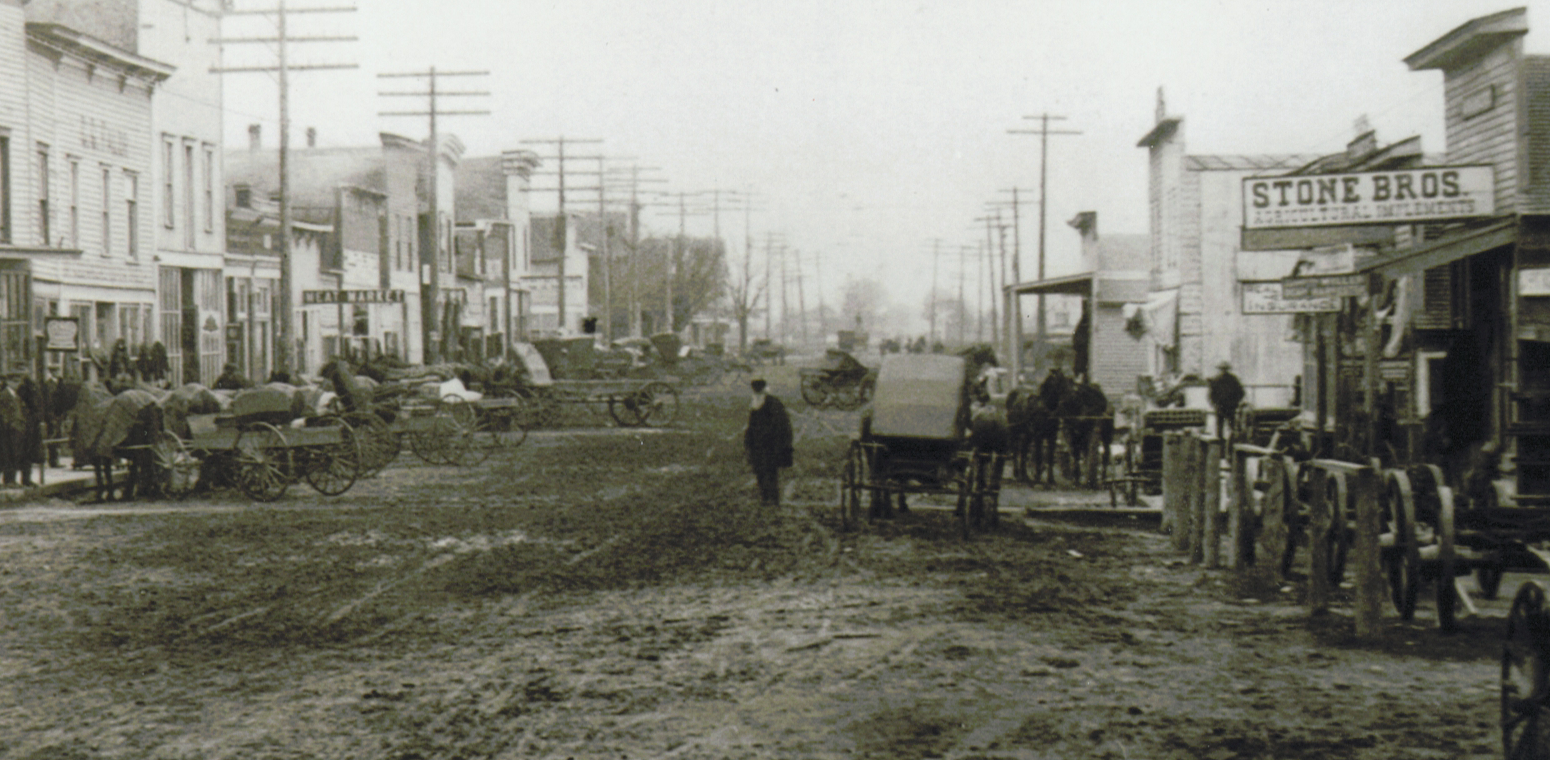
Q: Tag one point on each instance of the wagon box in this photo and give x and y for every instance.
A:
(918, 396)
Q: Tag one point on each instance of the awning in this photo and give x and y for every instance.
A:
(1158, 317)
(1446, 250)
(1075, 285)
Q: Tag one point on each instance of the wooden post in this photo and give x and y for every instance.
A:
(1189, 492)
(1211, 497)
(1193, 480)
(1239, 508)
(1174, 501)
(1318, 545)
(1365, 554)
(1270, 543)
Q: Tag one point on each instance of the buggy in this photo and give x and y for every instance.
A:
(840, 381)
(917, 439)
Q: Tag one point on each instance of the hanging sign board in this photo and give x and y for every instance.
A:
(1405, 196)
(1534, 282)
(1269, 298)
(63, 334)
(1326, 286)
(316, 297)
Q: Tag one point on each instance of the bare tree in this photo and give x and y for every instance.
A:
(745, 292)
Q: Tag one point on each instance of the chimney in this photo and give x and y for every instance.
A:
(312, 137)
(244, 194)
(255, 137)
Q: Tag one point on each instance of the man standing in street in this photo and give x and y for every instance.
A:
(767, 442)
(1226, 395)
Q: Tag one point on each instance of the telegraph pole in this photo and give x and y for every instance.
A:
(1043, 132)
(936, 262)
(1014, 301)
(561, 223)
(963, 306)
(282, 40)
(431, 321)
(604, 229)
(634, 181)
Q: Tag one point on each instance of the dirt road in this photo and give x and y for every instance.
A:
(615, 597)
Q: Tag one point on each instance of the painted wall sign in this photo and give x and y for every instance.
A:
(1268, 298)
(1327, 286)
(315, 297)
(1534, 282)
(1394, 197)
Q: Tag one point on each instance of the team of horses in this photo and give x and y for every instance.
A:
(1037, 418)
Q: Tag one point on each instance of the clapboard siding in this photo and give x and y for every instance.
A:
(1536, 169)
(95, 118)
(1117, 357)
(1490, 137)
(13, 109)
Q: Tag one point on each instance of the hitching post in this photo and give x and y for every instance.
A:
(1318, 543)
(1211, 495)
(1365, 555)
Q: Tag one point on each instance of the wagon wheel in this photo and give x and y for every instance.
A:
(379, 444)
(813, 390)
(263, 462)
(464, 442)
(850, 486)
(470, 446)
(433, 442)
(1402, 554)
(176, 469)
(1447, 592)
(538, 410)
(1337, 495)
(1525, 715)
(506, 428)
(623, 410)
(657, 404)
(332, 468)
(462, 413)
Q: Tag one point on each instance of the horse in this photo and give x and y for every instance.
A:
(1035, 427)
(1083, 412)
(109, 426)
(1033, 430)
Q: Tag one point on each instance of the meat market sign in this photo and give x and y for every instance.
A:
(316, 297)
(1393, 197)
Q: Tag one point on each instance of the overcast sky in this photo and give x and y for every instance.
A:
(867, 128)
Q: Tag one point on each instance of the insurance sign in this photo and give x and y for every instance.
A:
(1393, 197)
(1270, 298)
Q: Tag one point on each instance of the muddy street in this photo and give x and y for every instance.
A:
(604, 594)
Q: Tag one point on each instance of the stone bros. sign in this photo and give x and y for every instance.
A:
(1393, 197)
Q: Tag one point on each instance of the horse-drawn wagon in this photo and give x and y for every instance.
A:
(921, 437)
(270, 438)
(631, 402)
(839, 381)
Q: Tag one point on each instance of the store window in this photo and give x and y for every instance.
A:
(168, 168)
(43, 214)
(107, 211)
(75, 203)
(132, 213)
